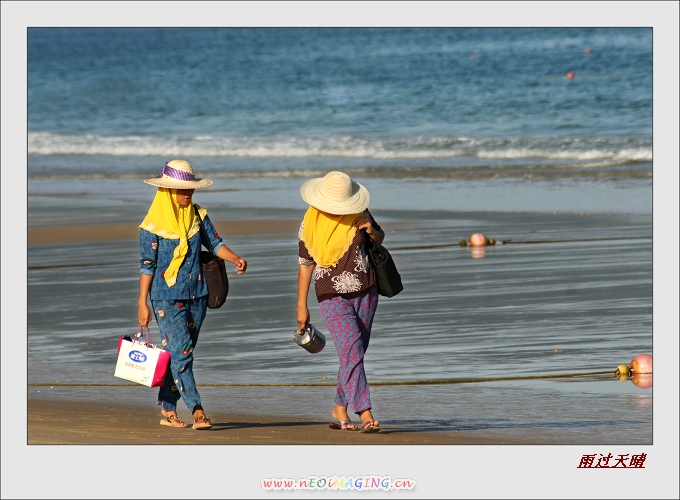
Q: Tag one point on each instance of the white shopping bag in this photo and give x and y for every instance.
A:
(141, 362)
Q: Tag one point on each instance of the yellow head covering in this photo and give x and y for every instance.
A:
(327, 237)
(167, 219)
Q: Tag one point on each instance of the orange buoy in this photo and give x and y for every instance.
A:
(641, 364)
(588, 50)
(570, 75)
(478, 240)
(472, 57)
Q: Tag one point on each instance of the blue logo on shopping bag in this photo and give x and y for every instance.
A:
(137, 356)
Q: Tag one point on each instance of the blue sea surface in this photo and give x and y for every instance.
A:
(461, 106)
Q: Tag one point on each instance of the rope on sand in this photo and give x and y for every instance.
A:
(407, 382)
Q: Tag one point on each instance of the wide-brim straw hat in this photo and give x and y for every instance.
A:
(335, 193)
(178, 174)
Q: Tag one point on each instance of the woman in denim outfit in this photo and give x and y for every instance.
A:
(331, 246)
(171, 276)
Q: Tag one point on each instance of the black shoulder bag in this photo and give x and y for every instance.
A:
(214, 271)
(386, 275)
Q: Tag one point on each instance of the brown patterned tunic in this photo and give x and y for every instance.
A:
(351, 277)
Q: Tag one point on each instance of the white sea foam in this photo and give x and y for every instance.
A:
(341, 146)
(638, 154)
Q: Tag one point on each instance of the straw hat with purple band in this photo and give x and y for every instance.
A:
(336, 194)
(178, 174)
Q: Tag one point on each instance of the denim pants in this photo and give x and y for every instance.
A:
(349, 322)
(179, 322)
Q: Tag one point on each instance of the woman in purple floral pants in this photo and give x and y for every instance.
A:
(350, 321)
(331, 249)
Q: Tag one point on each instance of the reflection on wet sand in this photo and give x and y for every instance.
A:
(642, 381)
(477, 252)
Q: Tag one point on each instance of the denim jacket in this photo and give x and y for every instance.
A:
(156, 255)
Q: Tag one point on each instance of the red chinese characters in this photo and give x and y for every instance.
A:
(622, 461)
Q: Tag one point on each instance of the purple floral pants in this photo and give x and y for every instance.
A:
(349, 322)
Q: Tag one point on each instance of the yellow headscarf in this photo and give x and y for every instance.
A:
(327, 237)
(168, 220)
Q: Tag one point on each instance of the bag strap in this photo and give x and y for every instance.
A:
(140, 332)
(204, 233)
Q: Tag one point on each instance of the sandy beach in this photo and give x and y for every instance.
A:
(50, 235)
(78, 414)
(87, 423)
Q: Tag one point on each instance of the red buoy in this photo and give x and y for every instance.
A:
(570, 75)
(641, 364)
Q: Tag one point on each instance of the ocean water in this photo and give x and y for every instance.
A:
(489, 110)
(452, 130)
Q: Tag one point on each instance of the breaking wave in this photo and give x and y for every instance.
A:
(597, 152)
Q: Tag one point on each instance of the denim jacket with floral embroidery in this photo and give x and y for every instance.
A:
(156, 255)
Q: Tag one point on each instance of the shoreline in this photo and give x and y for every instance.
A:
(82, 233)
(90, 232)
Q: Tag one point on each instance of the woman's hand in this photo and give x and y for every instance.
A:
(304, 280)
(241, 265)
(365, 224)
(143, 315)
(225, 253)
(302, 316)
(143, 311)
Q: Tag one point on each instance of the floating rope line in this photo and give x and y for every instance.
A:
(407, 382)
(510, 242)
(427, 247)
(492, 379)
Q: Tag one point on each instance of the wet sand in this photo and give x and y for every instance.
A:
(78, 422)
(87, 422)
(595, 410)
(471, 415)
(41, 235)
